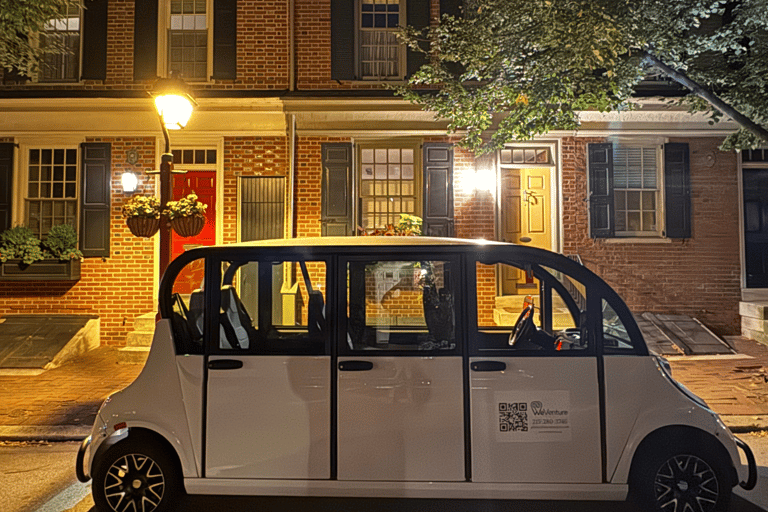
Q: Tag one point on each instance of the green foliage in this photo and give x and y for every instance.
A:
(407, 225)
(61, 243)
(511, 70)
(20, 243)
(19, 20)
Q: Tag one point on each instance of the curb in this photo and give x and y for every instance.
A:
(743, 424)
(44, 433)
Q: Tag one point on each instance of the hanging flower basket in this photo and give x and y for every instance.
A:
(188, 226)
(144, 227)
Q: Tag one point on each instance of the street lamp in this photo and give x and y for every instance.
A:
(174, 106)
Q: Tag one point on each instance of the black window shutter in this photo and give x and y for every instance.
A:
(225, 39)
(95, 40)
(677, 190)
(336, 208)
(95, 199)
(342, 39)
(6, 184)
(601, 223)
(417, 16)
(438, 190)
(145, 40)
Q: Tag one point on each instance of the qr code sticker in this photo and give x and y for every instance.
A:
(513, 417)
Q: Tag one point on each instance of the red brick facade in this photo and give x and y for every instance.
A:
(699, 276)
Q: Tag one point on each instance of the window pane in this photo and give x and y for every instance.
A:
(400, 306)
(633, 200)
(615, 336)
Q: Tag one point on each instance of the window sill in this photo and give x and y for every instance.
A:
(637, 240)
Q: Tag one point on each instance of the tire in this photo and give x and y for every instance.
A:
(137, 475)
(681, 477)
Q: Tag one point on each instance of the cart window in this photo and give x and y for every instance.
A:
(188, 308)
(273, 307)
(400, 305)
(615, 336)
(508, 294)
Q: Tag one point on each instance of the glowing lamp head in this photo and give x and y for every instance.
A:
(174, 110)
(129, 181)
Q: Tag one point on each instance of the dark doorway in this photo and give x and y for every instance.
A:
(756, 227)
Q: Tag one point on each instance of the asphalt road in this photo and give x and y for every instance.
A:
(40, 478)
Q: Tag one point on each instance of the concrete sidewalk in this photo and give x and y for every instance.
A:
(61, 404)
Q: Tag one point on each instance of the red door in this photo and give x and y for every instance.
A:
(202, 183)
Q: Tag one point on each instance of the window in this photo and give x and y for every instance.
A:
(51, 196)
(635, 190)
(556, 306)
(381, 56)
(639, 190)
(400, 305)
(273, 307)
(387, 184)
(383, 181)
(61, 41)
(188, 39)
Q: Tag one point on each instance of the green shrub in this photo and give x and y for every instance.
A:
(20, 243)
(61, 243)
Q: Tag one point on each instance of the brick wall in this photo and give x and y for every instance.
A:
(249, 156)
(262, 44)
(699, 277)
(120, 41)
(118, 288)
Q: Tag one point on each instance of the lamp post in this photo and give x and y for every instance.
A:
(174, 107)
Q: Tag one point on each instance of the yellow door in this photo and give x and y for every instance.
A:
(525, 218)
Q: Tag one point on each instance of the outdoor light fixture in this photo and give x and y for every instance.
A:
(485, 174)
(174, 110)
(130, 181)
(174, 107)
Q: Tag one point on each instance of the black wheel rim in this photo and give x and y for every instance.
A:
(134, 483)
(685, 483)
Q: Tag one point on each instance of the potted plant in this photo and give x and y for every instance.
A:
(142, 215)
(23, 257)
(187, 215)
(61, 243)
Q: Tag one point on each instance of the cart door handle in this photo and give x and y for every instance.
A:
(225, 364)
(488, 366)
(355, 366)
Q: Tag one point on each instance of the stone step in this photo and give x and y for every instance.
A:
(754, 324)
(145, 322)
(757, 309)
(139, 338)
(132, 355)
(760, 337)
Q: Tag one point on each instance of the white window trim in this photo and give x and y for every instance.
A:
(402, 56)
(164, 25)
(21, 174)
(35, 76)
(658, 234)
(418, 170)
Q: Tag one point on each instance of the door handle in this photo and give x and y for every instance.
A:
(225, 364)
(488, 366)
(355, 366)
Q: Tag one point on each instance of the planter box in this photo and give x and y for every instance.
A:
(46, 270)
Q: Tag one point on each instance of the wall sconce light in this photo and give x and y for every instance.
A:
(130, 182)
(485, 174)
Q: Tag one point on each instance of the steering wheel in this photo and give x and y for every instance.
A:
(524, 327)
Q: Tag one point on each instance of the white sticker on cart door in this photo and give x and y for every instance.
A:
(533, 416)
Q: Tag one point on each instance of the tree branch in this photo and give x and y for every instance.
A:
(697, 89)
